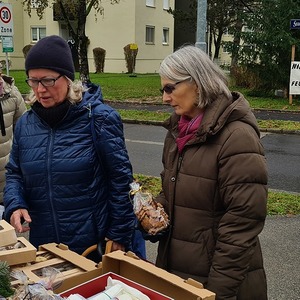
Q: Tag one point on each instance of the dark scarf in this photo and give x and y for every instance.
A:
(187, 128)
(52, 115)
(2, 125)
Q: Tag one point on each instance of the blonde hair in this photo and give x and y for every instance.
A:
(191, 62)
(76, 89)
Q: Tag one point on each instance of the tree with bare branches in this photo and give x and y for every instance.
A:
(74, 13)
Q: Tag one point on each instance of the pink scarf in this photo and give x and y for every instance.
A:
(187, 128)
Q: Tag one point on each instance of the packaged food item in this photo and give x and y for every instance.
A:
(150, 214)
(42, 290)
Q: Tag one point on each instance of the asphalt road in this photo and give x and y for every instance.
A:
(145, 145)
(283, 159)
(280, 242)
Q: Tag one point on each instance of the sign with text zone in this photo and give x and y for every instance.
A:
(295, 78)
(6, 20)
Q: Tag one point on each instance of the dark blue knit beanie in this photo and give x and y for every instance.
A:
(52, 53)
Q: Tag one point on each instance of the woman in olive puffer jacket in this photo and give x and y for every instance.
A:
(214, 182)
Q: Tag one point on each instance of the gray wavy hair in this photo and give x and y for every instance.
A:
(76, 89)
(190, 62)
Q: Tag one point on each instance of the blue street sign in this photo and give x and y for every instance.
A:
(295, 24)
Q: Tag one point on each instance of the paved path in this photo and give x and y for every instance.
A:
(280, 242)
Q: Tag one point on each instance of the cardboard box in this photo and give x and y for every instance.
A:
(8, 234)
(20, 255)
(97, 285)
(154, 278)
(74, 268)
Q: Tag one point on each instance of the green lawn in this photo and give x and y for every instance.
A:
(279, 203)
(145, 88)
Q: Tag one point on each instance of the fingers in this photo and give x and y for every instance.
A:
(25, 215)
(116, 246)
(18, 217)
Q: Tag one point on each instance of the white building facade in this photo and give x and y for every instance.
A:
(143, 22)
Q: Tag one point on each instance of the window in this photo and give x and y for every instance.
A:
(37, 33)
(226, 31)
(225, 49)
(246, 29)
(35, 4)
(150, 34)
(166, 4)
(150, 3)
(165, 36)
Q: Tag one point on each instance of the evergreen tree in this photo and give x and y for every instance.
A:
(5, 286)
(267, 42)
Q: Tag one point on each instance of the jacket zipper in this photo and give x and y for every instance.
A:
(49, 177)
(179, 164)
(166, 252)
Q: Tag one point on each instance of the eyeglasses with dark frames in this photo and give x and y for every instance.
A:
(46, 82)
(170, 87)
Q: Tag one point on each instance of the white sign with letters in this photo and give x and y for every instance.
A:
(295, 78)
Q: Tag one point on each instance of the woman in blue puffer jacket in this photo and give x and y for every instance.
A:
(69, 173)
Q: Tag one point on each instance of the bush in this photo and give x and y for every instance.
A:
(99, 58)
(243, 77)
(26, 49)
(130, 57)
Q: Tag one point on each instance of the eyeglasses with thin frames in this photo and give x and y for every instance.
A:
(170, 87)
(46, 82)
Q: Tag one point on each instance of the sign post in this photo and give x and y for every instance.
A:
(291, 77)
(133, 50)
(6, 30)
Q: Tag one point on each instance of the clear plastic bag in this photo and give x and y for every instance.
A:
(150, 214)
(52, 278)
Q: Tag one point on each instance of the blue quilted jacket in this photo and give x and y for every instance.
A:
(55, 173)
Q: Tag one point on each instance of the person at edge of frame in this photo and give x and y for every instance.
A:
(12, 106)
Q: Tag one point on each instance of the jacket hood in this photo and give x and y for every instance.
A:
(91, 98)
(93, 93)
(219, 113)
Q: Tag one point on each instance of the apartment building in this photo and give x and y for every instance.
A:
(143, 22)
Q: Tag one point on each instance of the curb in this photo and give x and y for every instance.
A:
(161, 104)
(274, 130)
(159, 123)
